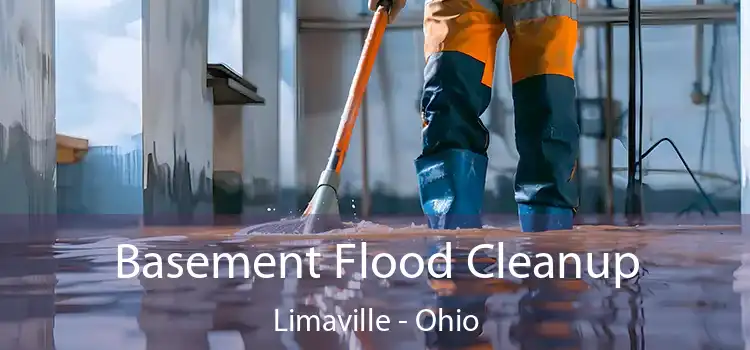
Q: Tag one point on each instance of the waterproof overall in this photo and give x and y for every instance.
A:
(461, 38)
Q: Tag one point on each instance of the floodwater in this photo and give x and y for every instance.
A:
(686, 294)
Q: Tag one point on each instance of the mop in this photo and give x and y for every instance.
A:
(322, 213)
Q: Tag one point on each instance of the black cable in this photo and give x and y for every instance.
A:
(632, 198)
(687, 168)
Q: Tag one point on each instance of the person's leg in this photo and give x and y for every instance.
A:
(543, 36)
(460, 41)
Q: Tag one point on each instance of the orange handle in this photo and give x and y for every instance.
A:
(357, 90)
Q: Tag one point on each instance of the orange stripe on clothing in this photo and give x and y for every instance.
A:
(544, 36)
(464, 26)
(543, 46)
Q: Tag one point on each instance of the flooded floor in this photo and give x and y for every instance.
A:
(686, 295)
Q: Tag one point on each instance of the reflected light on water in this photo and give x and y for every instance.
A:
(689, 294)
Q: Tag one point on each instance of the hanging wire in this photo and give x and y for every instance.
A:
(640, 115)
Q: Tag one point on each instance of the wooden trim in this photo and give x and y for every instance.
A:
(70, 149)
(75, 143)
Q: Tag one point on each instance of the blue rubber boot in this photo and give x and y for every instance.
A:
(451, 191)
(451, 188)
(537, 218)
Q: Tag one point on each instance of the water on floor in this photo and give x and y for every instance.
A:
(686, 295)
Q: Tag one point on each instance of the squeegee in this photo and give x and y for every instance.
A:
(322, 212)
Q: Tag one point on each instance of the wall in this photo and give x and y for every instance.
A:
(27, 120)
(105, 188)
(27, 171)
(744, 23)
(290, 132)
(260, 60)
(228, 137)
(177, 113)
(228, 196)
(225, 46)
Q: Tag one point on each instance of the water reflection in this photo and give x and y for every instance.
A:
(549, 310)
(685, 300)
(27, 297)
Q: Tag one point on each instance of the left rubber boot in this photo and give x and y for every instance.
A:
(451, 188)
(538, 218)
(451, 191)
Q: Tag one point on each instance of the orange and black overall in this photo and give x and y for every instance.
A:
(461, 39)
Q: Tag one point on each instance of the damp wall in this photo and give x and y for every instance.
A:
(177, 112)
(27, 170)
(27, 119)
(260, 64)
